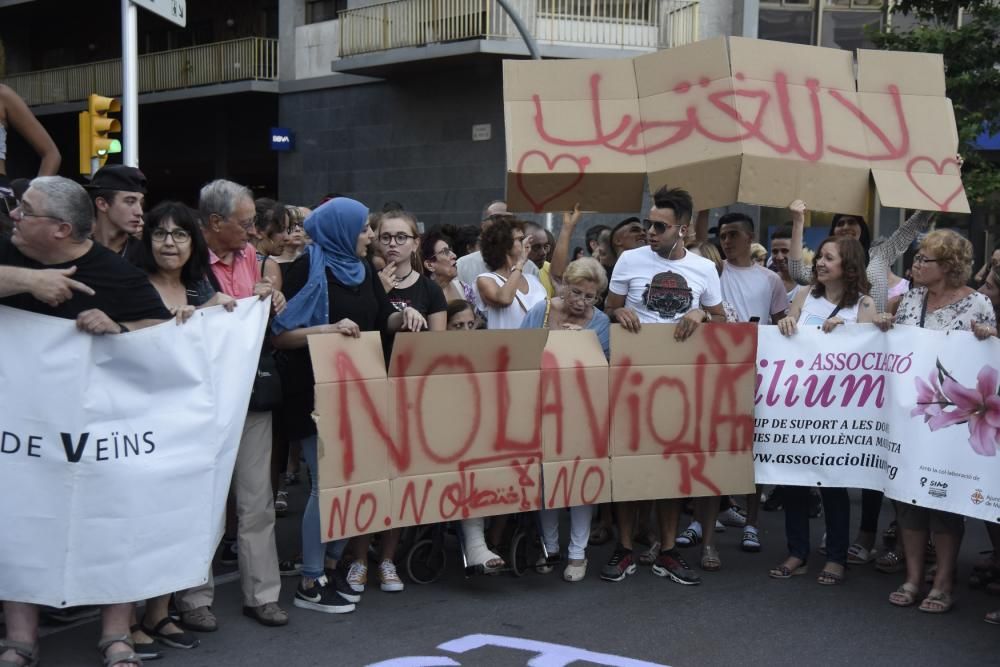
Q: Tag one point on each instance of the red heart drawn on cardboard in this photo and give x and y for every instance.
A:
(939, 169)
(550, 164)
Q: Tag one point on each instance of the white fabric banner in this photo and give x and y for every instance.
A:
(912, 412)
(116, 452)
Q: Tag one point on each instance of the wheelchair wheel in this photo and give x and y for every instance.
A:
(518, 557)
(426, 561)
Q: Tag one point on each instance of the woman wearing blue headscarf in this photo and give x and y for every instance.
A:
(330, 289)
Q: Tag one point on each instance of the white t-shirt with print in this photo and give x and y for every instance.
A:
(753, 291)
(660, 290)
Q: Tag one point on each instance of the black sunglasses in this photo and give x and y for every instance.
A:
(659, 227)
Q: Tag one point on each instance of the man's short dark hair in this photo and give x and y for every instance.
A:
(594, 234)
(783, 232)
(106, 195)
(736, 217)
(677, 200)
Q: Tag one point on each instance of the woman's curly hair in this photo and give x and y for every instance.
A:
(852, 266)
(497, 240)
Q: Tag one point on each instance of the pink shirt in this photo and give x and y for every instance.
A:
(236, 280)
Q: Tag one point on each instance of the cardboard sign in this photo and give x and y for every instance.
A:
(733, 120)
(468, 424)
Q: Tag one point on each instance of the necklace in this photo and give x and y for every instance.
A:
(399, 280)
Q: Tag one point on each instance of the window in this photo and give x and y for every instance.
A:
(846, 30)
(786, 26)
(323, 10)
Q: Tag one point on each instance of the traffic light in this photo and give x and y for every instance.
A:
(95, 128)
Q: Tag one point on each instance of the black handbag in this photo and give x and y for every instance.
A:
(266, 393)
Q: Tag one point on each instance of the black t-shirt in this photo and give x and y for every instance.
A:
(122, 291)
(425, 296)
(366, 305)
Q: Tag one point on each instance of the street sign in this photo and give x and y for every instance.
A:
(172, 10)
(282, 139)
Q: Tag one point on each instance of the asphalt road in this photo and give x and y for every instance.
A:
(737, 616)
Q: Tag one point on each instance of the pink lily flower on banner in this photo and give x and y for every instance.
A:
(930, 402)
(979, 406)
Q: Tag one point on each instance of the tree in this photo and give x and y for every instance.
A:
(971, 55)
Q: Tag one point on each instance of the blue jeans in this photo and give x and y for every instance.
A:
(314, 551)
(836, 512)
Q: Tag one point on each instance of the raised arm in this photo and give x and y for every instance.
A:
(901, 239)
(797, 269)
(560, 255)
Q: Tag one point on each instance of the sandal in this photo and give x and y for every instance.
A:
(751, 541)
(784, 572)
(859, 555)
(118, 657)
(484, 560)
(890, 534)
(936, 602)
(710, 561)
(145, 650)
(830, 578)
(25, 651)
(891, 562)
(993, 617)
(904, 596)
(649, 556)
(179, 639)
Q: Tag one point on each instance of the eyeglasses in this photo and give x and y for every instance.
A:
(22, 214)
(246, 225)
(399, 238)
(659, 227)
(445, 251)
(920, 259)
(588, 299)
(179, 236)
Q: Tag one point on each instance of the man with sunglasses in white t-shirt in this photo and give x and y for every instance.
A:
(661, 283)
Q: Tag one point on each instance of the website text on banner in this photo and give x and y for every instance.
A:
(913, 412)
(470, 424)
(732, 120)
(116, 452)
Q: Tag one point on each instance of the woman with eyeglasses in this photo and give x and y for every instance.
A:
(839, 295)
(584, 280)
(441, 266)
(402, 277)
(175, 257)
(941, 301)
(507, 293)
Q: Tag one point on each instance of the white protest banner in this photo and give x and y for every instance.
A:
(116, 452)
(912, 412)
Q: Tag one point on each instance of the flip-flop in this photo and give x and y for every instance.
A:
(784, 572)
(859, 555)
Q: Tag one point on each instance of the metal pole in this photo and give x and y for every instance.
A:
(519, 24)
(130, 84)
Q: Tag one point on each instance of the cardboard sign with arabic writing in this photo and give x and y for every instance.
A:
(733, 120)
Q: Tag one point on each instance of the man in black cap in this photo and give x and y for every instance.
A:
(118, 193)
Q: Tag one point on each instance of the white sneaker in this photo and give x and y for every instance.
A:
(357, 577)
(391, 583)
(719, 528)
(575, 570)
(732, 517)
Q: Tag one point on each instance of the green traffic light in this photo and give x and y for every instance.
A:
(115, 147)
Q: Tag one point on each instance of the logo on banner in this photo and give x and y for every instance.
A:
(977, 497)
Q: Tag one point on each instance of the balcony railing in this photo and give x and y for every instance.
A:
(638, 24)
(247, 59)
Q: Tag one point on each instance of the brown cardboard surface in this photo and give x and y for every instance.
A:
(357, 509)
(577, 482)
(511, 487)
(364, 353)
(681, 476)
(416, 354)
(708, 113)
(354, 432)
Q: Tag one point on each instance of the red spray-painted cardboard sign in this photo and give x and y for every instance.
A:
(733, 120)
(467, 424)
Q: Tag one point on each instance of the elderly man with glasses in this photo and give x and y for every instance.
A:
(50, 266)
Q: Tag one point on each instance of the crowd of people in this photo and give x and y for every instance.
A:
(98, 256)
